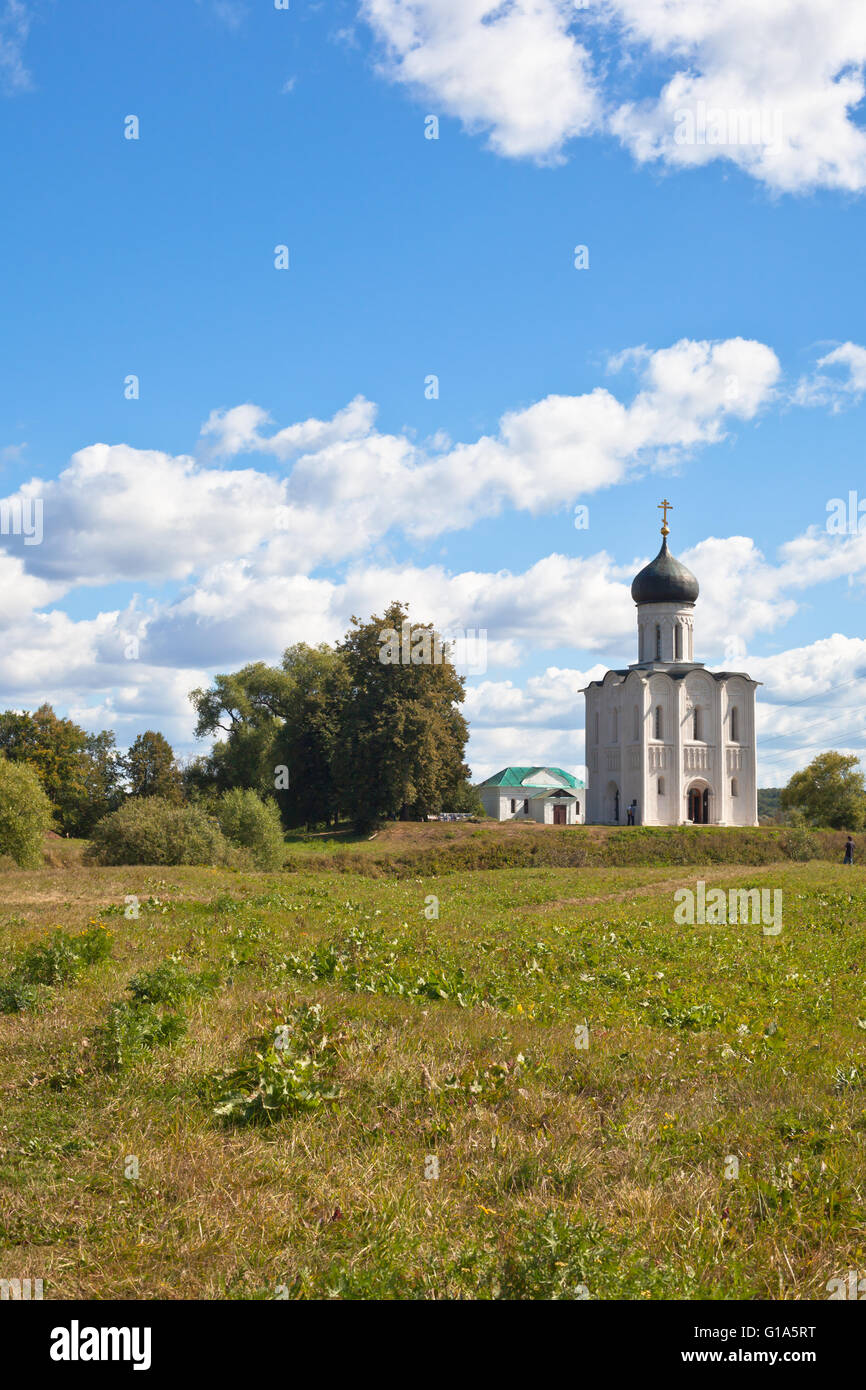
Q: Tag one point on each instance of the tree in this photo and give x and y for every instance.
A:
(25, 814)
(829, 792)
(103, 779)
(355, 728)
(281, 726)
(465, 799)
(402, 736)
(307, 744)
(151, 767)
(248, 706)
(80, 772)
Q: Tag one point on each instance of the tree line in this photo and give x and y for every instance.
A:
(332, 733)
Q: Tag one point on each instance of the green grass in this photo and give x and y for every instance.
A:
(291, 1057)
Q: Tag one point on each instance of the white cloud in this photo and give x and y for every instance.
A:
(810, 701)
(119, 513)
(773, 86)
(821, 388)
(512, 69)
(796, 64)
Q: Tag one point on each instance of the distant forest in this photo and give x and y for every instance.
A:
(768, 801)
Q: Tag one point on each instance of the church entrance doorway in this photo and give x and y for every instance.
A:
(699, 805)
(612, 804)
(559, 815)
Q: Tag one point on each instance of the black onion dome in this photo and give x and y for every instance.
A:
(664, 580)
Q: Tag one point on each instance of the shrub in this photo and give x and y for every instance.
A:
(57, 961)
(25, 814)
(288, 1072)
(171, 983)
(798, 844)
(132, 1028)
(254, 824)
(155, 831)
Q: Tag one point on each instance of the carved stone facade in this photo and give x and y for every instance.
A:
(665, 736)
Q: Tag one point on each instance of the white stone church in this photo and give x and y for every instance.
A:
(668, 742)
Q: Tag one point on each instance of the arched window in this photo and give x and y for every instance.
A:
(513, 805)
(659, 723)
(678, 642)
(696, 722)
(636, 733)
(661, 786)
(658, 642)
(735, 724)
(735, 791)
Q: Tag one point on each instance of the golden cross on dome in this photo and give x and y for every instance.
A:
(665, 506)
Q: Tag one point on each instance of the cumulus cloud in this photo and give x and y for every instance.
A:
(772, 86)
(512, 70)
(120, 513)
(773, 83)
(239, 547)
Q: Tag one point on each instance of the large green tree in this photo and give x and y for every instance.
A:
(25, 814)
(80, 772)
(402, 735)
(829, 792)
(369, 729)
(152, 769)
(280, 726)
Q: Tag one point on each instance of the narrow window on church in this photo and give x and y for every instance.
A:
(513, 806)
(658, 643)
(596, 726)
(735, 731)
(734, 788)
(526, 806)
(661, 786)
(636, 719)
(678, 638)
(696, 732)
(659, 726)
(615, 725)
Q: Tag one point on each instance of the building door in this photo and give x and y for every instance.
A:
(699, 805)
(559, 815)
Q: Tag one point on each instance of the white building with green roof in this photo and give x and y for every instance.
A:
(543, 794)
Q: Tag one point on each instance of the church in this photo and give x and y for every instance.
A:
(668, 742)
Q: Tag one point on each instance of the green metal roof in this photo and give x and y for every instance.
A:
(514, 777)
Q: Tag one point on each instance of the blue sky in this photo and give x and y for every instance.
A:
(712, 351)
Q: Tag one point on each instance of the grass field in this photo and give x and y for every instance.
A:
(393, 1045)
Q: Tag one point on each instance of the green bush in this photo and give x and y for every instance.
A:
(253, 824)
(25, 814)
(151, 830)
(57, 961)
(171, 983)
(286, 1072)
(132, 1028)
(797, 843)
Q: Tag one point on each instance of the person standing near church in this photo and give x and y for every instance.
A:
(849, 851)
